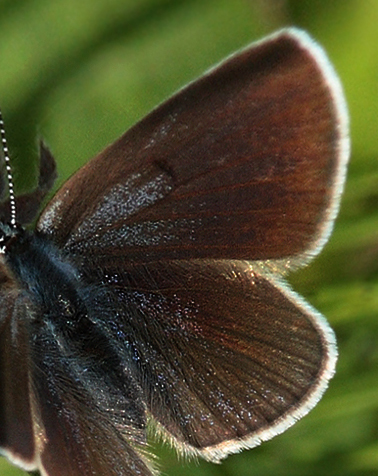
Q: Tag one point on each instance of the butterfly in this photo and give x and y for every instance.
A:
(151, 292)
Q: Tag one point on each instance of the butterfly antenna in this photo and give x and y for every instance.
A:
(12, 199)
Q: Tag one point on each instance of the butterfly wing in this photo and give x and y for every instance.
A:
(53, 417)
(227, 356)
(85, 423)
(29, 204)
(246, 163)
(16, 423)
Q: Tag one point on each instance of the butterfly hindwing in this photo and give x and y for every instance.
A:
(215, 375)
(66, 409)
(89, 422)
(16, 416)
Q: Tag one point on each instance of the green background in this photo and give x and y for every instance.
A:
(79, 73)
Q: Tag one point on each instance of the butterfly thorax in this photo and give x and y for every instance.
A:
(39, 269)
(63, 307)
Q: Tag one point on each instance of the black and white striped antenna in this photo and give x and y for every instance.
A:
(12, 199)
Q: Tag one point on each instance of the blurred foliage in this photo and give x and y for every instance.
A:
(80, 73)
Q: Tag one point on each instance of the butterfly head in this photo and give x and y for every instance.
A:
(9, 233)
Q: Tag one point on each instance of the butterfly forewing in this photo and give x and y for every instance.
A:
(28, 204)
(243, 164)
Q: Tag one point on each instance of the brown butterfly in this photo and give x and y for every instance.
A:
(151, 289)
